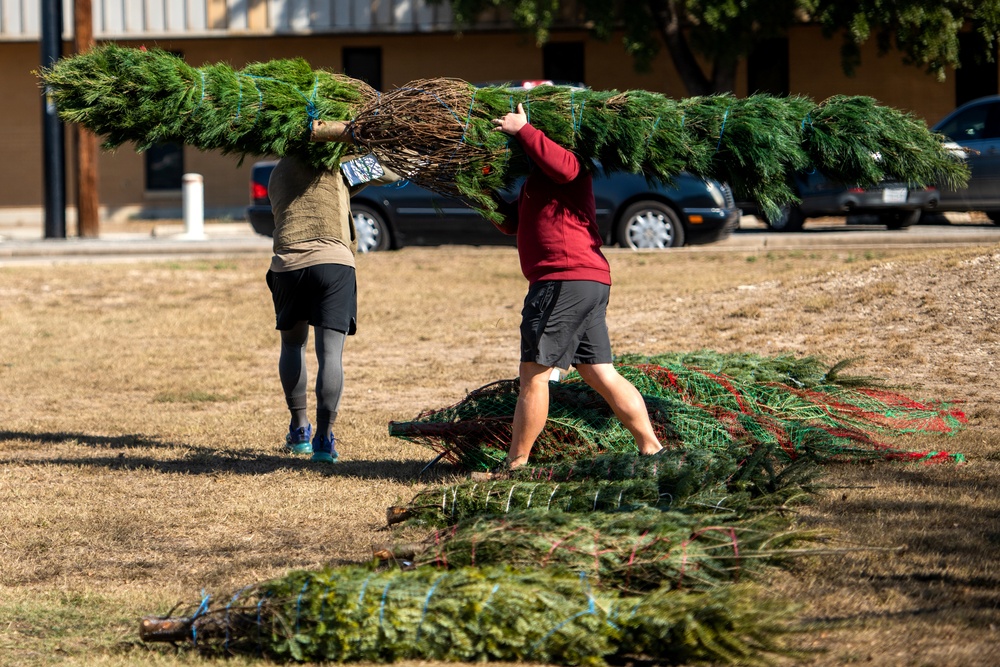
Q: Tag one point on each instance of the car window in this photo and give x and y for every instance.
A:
(979, 122)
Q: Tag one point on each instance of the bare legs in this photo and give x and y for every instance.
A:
(533, 407)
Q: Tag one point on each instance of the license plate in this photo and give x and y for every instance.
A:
(894, 195)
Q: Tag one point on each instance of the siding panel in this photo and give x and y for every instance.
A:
(138, 19)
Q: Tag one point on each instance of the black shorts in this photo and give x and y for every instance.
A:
(563, 323)
(325, 295)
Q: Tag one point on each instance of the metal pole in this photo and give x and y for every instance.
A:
(53, 148)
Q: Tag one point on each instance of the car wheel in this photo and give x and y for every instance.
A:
(372, 229)
(789, 219)
(650, 224)
(994, 216)
(899, 219)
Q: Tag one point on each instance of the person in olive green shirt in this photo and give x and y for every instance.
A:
(313, 284)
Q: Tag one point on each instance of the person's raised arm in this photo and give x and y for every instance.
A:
(559, 164)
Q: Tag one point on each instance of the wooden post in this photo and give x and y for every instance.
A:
(87, 220)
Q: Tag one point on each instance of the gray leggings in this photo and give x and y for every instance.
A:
(329, 377)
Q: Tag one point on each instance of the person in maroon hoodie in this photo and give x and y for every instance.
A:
(563, 319)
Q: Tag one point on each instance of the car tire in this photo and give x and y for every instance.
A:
(789, 219)
(650, 224)
(372, 229)
(899, 219)
(994, 216)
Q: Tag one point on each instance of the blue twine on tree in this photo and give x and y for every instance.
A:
(427, 602)
(381, 610)
(239, 101)
(200, 611)
(468, 116)
(722, 130)
(322, 602)
(260, 622)
(298, 605)
(198, 106)
(364, 586)
(591, 609)
(489, 598)
(652, 130)
(577, 123)
(311, 111)
(237, 595)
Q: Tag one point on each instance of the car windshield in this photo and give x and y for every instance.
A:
(979, 122)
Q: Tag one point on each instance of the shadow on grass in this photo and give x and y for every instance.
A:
(199, 460)
(96, 441)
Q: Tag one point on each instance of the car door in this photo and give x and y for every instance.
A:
(420, 216)
(976, 130)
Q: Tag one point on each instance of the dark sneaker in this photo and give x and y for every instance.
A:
(324, 450)
(299, 440)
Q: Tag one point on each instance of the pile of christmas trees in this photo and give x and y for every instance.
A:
(594, 553)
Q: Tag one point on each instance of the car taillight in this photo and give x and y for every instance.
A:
(258, 191)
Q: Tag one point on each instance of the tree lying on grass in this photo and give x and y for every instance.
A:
(694, 405)
(477, 614)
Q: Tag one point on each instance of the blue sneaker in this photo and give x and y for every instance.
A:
(299, 440)
(324, 450)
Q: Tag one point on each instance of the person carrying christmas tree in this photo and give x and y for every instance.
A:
(312, 282)
(563, 319)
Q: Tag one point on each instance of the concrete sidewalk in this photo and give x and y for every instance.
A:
(22, 243)
(142, 239)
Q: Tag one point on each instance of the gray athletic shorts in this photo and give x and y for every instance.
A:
(325, 295)
(563, 323)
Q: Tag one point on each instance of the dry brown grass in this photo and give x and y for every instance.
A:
(142, 417)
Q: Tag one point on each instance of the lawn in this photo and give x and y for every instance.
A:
(142, 423)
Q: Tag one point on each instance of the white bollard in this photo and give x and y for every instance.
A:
(193, 199)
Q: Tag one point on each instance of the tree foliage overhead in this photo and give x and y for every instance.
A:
(720, 32)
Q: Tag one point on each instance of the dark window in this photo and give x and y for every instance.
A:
(980, 122)
(165, 163)
(767, 67)
(165, 167)
(365, 64)
(562, 62)
(977, 76)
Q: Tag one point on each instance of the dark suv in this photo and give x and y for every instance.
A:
(895, 205)
(630, 212)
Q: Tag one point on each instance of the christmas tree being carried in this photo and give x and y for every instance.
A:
(439, 132)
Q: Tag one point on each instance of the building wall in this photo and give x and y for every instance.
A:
(814, 71)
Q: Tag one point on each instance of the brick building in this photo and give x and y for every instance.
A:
(387, 43)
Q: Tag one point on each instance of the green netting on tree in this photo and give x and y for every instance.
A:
(633, 552)
(693, 409)
(440, 132)
(474, 615)
(799, 372)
